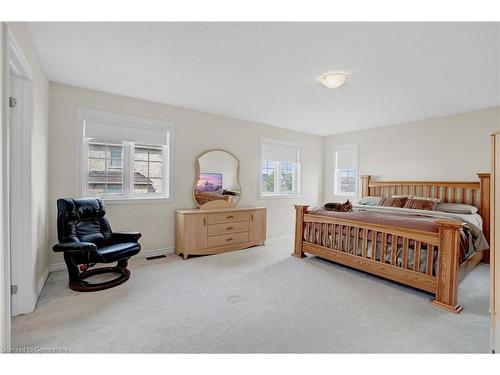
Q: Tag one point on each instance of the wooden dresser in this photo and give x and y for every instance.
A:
(214, 231)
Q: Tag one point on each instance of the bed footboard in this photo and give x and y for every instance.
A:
(298, 250)
(448, 265)
(424, 260)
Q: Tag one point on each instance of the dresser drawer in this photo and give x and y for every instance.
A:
(228, 217)
(239, 226)
(227, 239)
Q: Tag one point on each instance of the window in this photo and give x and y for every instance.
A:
(279, 168)
(346, 170)
(286, 176)
(268, 176)
(124, 158)
(105, 173)
(116, 156)
(148, 169)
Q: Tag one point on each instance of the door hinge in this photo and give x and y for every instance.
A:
(13, 289)
(12, 102)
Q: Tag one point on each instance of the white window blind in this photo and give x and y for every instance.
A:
(122, 133)
(279, 152)
(346, 159)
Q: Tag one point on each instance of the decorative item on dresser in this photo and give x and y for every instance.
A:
(219, 230)
(402, 244)
(494, 238)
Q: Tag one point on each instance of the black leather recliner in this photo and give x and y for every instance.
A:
(85, 238)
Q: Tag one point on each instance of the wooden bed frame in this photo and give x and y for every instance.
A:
(308, 228)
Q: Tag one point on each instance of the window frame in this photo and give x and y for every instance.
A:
(128, 196)
(296, 172)
(344, 147)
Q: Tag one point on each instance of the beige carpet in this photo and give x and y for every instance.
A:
(255, 300)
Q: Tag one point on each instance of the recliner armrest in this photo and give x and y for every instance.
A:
(118, 237)
(75, 246)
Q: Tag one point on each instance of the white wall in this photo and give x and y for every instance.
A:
(445, 148)
(39, 151)
(195, 132)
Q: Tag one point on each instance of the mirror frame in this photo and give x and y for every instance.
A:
(197, 173)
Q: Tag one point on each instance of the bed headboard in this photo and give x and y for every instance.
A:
(475, 193)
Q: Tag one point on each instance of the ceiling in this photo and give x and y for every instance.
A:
(269, 72)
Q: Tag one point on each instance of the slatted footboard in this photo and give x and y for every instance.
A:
(424, 260)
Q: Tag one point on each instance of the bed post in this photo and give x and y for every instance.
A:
(365, 185)
(484, 209)
(448, 265)
(299, 230)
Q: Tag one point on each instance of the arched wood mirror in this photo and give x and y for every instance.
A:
(217, 179)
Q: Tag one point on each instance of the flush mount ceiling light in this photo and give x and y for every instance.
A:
(333, 80)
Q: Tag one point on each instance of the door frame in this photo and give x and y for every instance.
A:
(5, 253)
(19, 169)
(494, 245)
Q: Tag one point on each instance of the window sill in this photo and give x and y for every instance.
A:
(280, 196)
(351, 197)
(135, 200)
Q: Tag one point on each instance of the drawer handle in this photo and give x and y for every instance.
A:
(251, 217)
(229, 239)
(229, 228)
(204, 221)
(230, 216)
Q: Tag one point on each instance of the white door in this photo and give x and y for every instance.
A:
(20, 193)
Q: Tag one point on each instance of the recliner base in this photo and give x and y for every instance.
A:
(77, 279)
(81, 285)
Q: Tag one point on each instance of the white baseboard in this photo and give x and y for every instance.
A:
(57, 267)
(156, 252)
(41, 283)
(280, 234)
(143, 254)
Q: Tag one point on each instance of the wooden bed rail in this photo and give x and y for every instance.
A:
(387, 254)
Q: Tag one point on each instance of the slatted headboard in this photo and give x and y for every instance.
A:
(475, 193)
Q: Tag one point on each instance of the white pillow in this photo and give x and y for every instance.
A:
(456, 208)
(370, 201)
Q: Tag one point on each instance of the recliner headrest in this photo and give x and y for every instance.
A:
(81, 208)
